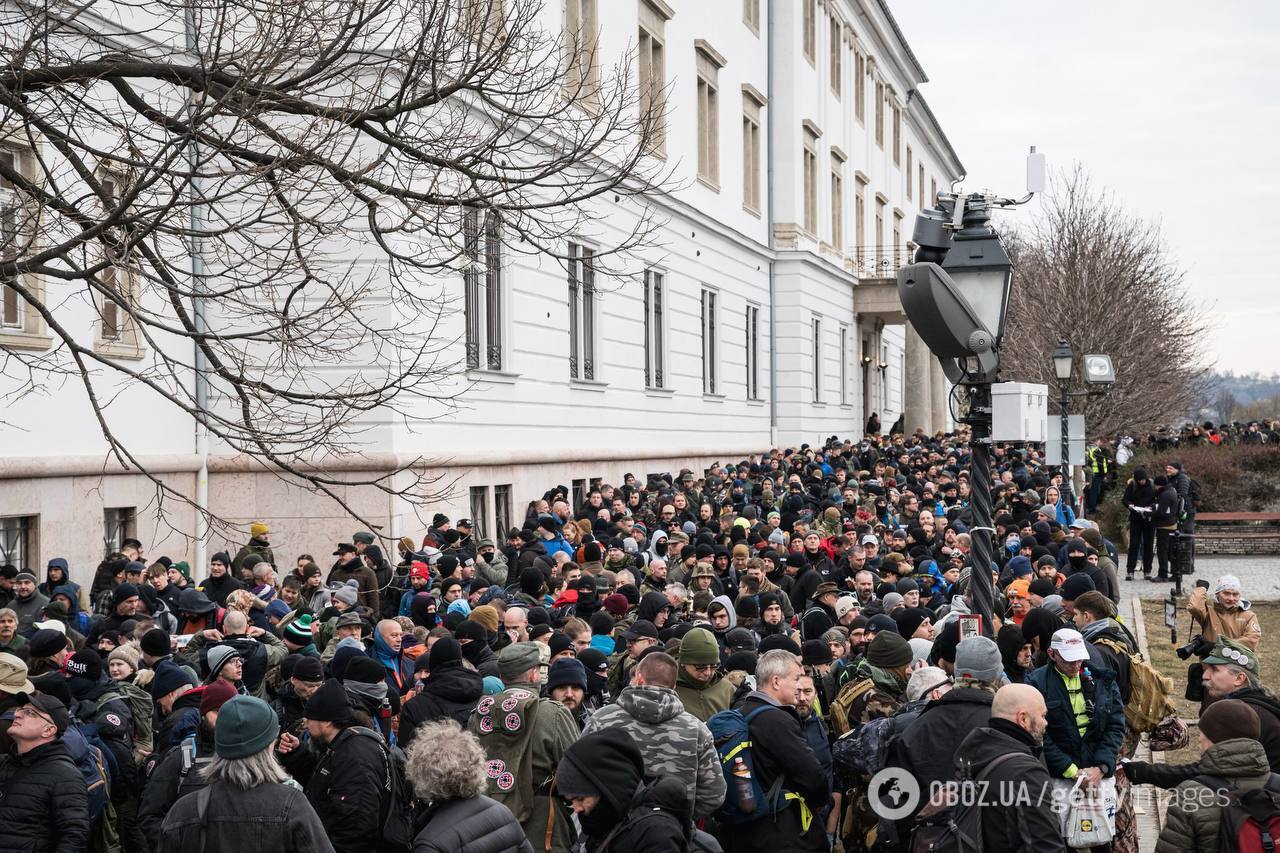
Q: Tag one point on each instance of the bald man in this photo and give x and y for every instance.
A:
(1006, 755)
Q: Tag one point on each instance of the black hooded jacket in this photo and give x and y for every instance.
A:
(451, 692)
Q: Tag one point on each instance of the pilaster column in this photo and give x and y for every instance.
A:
(916, 393)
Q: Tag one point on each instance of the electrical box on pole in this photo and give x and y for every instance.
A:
(1019, 411)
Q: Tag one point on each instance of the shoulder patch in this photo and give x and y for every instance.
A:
(114, 720)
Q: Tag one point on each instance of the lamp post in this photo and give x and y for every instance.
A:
(956, 296)
(1063, 363)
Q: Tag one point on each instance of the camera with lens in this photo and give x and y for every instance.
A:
(1198, 646)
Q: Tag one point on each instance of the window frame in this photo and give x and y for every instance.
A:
(836, 62)
(880, 99)
(709, 309)
(584, 302)
(816, 356)
(809, 30)
(484, 298)
(19, 542)
(751, 15)
(126, 342)
(837, 200)
(27, 330)
(118, 524)
(581, 47)
(708, 63)
(503, 511)
(479, 511)
(909, 170)
(651, 72)
(844, 364)
(859, 86)
(809, 176)
(752, 149)
(752, 337)
(655, 328)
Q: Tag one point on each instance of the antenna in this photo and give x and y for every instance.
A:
(1035, 172)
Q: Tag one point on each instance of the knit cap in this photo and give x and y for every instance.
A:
(1230, 718)
(246, 726)
(978, 659)
(889, 650)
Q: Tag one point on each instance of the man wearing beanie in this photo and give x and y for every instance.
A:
(877, 686)
(603, 775)
(28, 602)
(176, 705)
(567, 684)
(303, 675)
(1231, 758)
(181, 771)
(124, 601)
(702, 689)
(221, 582)
(927, 748)
(344, 769)
(1226, 614)
(297, 636)
(529, 736)
(247, 805)
(450, 692)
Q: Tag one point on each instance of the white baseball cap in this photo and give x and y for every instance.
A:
(844, 604)
(870, 539)
(1069, 644)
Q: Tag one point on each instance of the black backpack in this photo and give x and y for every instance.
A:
(397, 823)
(954, 829)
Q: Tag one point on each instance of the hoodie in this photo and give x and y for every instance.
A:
(675, 743)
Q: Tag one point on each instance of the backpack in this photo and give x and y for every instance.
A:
(954, 829)
(93, 763)
(141, 709)
(1149, 690)
(1249, 822)
(864, 750)
(730, 730)
(397, 824)
(841, 705)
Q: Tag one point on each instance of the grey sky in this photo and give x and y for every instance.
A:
(1169, 105)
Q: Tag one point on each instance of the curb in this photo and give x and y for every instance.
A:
(1144, 749)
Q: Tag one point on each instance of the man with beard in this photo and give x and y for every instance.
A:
(1005, 754)
(451, 691)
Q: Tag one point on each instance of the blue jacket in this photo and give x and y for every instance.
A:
(1066, 515)
(1063, 744)
(559, 543)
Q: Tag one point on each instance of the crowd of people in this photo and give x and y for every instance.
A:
(704, 660)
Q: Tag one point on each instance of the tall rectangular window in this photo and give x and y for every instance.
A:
(898, 248)
(18, 542)
(709, 349)
(582, 312)
(924, 202)
(482, 305)
(13, 309)
(579, 493)
(654, 331)
(810, 181)
(816, 366)
(933, 190)
(879, 227)
(860, 216)
(480, 511)
(708, 117)
(859, 86)
(581, 45)
(910, 172)
(810, 28)
(897, 135)
(880, 114)
(751, 159)
(501, 511)
(753, 352)
(111, 313)
(837, 56)
(118, 524)
(837, 202)
(652, 75)
(751, 15)
(844, 365)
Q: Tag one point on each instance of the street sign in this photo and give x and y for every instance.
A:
(1075, 441)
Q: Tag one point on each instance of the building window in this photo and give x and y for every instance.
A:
(751, 15)
(909, 172)
(581, 31)
(652, 71)
(933, 190)
(879, 231)
(844, 365)
(880, 114)
(117, 332)
(751, 147)
(582, 312)
(118, 524)
(897, 135)
(897, 238)
(501, 511)
(482, 306)
(860, 215)
(859, 86)
(837, 202)
(480, 511)
(709, 349)
(709, 64)
(654, 333)
(16, 222)
(753, 352)
(810, 181)
(18, 542)
(579, 494)
(816, 367)
(924, 202)
(837, 56)
(810, 29)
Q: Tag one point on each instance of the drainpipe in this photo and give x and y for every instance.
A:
(773, 301)
(200, 364)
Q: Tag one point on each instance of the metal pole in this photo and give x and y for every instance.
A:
(199, 362)
(1064, 403)
(983, 532)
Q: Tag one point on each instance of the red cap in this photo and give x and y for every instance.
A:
(418, 569)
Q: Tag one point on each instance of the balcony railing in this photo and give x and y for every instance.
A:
(879, 261)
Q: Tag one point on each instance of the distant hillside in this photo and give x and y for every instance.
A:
(1244, 396)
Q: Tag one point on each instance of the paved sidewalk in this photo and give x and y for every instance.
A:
(1260, 577)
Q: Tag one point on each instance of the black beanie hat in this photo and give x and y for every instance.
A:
(85, 663)
(444, 651)
(591, 552)
(155, 643)
(606, 763)
(329, 704)
(815, 653)
(909, 619)
(778, 641)
(888, 650)
(560, 643)
(168, 678)
(944, 644)
(1076, 586)
(46, 642)
(531, 581)
(365, 670)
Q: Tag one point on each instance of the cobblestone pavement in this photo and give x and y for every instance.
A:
(1259, 576)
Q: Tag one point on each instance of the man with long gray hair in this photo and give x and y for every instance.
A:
(246, 804)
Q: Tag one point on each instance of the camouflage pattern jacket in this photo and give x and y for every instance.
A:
(673, 741)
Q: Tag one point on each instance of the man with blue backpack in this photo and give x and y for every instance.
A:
(776, 787)
(44, 805)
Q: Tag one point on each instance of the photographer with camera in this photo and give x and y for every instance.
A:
(1228, 615)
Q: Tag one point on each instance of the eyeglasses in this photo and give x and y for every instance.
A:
(28, 711)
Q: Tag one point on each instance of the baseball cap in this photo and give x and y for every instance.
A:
(641, 628)
(50, 706)
(1069, 644)
(869, 539)
(844, 604)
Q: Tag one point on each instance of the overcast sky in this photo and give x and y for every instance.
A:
(1171, 106)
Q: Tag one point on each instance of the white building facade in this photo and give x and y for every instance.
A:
(766, 314)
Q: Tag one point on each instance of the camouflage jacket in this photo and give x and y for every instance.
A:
(673, 741)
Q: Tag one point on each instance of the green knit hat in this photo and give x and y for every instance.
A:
(299, 629)
(888, 650)
(182, 567)
(698, 648)
(246, 726)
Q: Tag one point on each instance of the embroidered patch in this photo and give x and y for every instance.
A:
(512, 722)
(485, 704)
(113, 719)
(510, 703)
(486, 724)
(495, 768)
(520, 694)
(506, 781)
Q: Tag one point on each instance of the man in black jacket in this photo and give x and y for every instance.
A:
(451, 691)
(220, 582)
(1140, 498)
(1165, 520)
(344, 771)
(779, 750)
(1016, 799)
(45, 807)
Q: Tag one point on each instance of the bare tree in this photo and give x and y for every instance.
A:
(1092, 273)
(280, 198)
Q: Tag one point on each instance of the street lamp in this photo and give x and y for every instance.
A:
(1063, 363)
